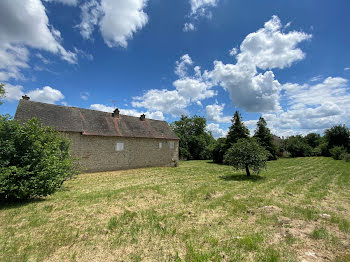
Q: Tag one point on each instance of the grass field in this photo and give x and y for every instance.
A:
(298, 209)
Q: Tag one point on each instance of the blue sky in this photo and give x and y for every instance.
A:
(288, 61)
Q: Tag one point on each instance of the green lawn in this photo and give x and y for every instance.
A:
(297, 209)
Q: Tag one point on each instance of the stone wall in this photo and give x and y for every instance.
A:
(97, 153)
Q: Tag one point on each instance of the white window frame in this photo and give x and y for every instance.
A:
(119, 146)
(160, 145)
(171, 144)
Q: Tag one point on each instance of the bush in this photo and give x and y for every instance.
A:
(337, 152)
(219, 150)
(34, 160)
(346, 157)
(247, 154)
(297, 147)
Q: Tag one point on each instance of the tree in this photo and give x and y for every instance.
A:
(237, 130)
(34, 160)
(265, 138)
(313, 139)
(247, 154)
(195, 142)
(2, 92)
(219, 150)
(297, 146)
(338, 136)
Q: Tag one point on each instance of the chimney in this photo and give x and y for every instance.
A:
(143, 117)
(116, 113)
(25, 97)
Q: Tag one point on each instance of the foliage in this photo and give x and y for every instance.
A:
(265, 138)
(297, 146)
(313, 139)
(346, 157)
(195, 142)
(338, 136)
(247, 154)
(219, 150)
(237, 130)
(2, 92)
(34, 160)
(337, 152)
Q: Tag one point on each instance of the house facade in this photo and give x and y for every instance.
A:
(104, 141)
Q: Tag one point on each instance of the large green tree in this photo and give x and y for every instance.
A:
(195, 141)
(248, 155)
(237, 130)
(265, 138)
(313, 139)
(338, 136)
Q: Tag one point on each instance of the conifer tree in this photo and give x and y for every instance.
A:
(237, 130)
(265, 138)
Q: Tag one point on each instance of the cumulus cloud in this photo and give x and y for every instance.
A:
(214, 113)
(85, 95)
(188, 90)
(157, 115)
(265, 49)
(312, 108)
(118, 20)
(233, 51)
(25, 24)
(216, 130)
(46, 94)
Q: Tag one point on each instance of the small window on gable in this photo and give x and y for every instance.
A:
(160, 144)
(119, 146)
(172, 145)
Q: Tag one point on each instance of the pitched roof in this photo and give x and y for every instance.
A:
(92, 122)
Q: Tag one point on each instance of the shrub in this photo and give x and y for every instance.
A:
(219, 150)
(34, 160)
(297, 147)
(346, 157)
(337, 152)
(247, 154)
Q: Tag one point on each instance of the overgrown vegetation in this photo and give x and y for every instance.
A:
(195, 142)
(34, 160)
(296, 210)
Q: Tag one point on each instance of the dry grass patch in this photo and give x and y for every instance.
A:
(297, 210)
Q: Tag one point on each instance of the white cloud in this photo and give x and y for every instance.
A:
(157, 115)
(346, 68)
(65, 2)
(267, 48)
(182, 65)
(214, 113)
(45, 95)
(13, 92)
(25, 24)
(216, 130)
(188, 27)
(316, 78)
(200, 7)
(312, 108)
(189, 89)
(118, 20)
(233, 51)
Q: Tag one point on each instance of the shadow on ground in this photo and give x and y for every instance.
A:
(242, 177)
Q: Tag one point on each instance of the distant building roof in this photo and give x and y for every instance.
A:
(92, 122)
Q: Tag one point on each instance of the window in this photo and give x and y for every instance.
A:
(172, 145)
(119, 146)
(160, 144)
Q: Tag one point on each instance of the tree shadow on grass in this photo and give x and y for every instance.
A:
(4, 205)
(242, 177)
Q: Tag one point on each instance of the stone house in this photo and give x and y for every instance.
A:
(107, 141)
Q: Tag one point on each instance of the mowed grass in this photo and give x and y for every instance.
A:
(297, 209)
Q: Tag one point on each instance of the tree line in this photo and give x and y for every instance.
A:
(197, 143)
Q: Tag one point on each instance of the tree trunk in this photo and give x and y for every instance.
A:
(247, 170)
